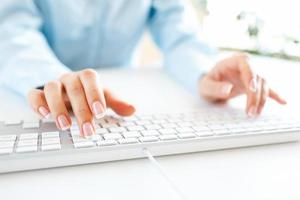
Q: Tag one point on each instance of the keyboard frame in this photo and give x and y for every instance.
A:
(71, 157)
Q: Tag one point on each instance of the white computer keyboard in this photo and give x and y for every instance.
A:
(36, 144)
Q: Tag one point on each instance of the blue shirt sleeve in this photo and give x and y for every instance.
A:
(26, 60)
(175, 31)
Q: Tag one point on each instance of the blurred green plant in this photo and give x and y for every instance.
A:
(254, 25)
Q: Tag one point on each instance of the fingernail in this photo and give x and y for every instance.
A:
(226, 89)
(87, 129)
(252, 111)
(98, 109)
(44, 111)
(63, 122)
(253, 85)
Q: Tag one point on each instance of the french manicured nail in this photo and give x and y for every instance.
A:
(98, 109)
(44, 111)
(226, 89)
(63, 122)
(87, 129)
(253, 85)
(252, 111)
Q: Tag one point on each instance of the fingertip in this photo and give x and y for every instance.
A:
(279, 100)
(44, 111)
(282, 102)
(126, 110)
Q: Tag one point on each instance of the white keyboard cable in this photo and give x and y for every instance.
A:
(162, 172)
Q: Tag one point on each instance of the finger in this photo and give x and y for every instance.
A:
(263, 96)
(215, 90)
(253, 97)
(80, 107)
(276, 97)
(38, 102)
(94, 93)
(248, 77)
(251, 84)
(54, 97)
(120, 107)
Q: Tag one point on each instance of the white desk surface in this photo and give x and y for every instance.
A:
(258, 173)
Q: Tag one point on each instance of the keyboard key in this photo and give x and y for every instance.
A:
(106, 142)
(31, 121)
(135, 128)
(159, 121)
(238, 130)
(175, 120)
(167, 131)
(22, 143)
(152, 127)
(131, 134)
(6, 151)
(117, 129)
(7, 144)
(204, 133)
(109, 125)
(83, 144)
(112, 120)
(185, 124)
(95, 137)
(143, 122)
(125, 124)
(31, 125)
(128, 141)
(201, 128)
(78, 138)
(48, 120)
(184, 130)
(150, 132)
(148, 139)
(26, 149)
(97, 126)
(169, 125)
(221, 132)
(186, 135)
(54, 134)
(145, 117)
(216, 127)
(130, 119)
(161, 117)
(168, 137)
(51, 147)
(101, 131)
(47, 141)
(112, 136)
(29, 136)
(8, 137)
(12, 122)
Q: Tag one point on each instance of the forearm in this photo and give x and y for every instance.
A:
(26, 60)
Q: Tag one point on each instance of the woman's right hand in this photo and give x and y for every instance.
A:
(80, 92)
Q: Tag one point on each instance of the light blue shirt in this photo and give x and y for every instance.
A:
(42, 39)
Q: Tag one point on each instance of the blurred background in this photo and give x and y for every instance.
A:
(260, 27)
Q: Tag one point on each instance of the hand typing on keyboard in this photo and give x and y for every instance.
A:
(232, 77)
(82, 92)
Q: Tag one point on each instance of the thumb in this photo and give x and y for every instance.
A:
(215, 90)
(117, 105)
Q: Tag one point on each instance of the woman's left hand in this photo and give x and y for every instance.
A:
(233, 76)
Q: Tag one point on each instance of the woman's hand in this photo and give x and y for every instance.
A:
(80, 92)
(233, 76)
